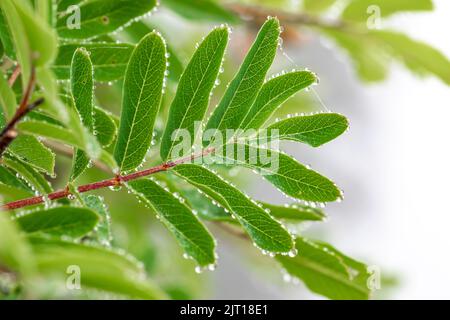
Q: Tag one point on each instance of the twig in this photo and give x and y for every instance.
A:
(14, 75)
(113, 182)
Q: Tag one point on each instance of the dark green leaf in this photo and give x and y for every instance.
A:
(267, 233)
(295, 212)
(190, 233)
(105, 128)
(193, 93)
(6, 37)
(30, 150)
(103, 229)
(61, 221)
(109, 59)
(142, 92)
(100, 268)
(314, 130)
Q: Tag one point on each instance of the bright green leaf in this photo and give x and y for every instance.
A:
(82, 85)
(105, 128)
(190, 233)
(295, 212)
(283, 171)
(244, 88)
(100, 268)
(314, 130)
(142, 92)
(361, 10)
(99, 17)
(274, 93)
(317, 6)
(61, 221)
(6, 37)
(103, 229)
(7, 97)
(267, 233)
(30, 150)
(109, 59)
(192, 98)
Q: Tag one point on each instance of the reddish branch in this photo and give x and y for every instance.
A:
(9, 133)
(114, 182)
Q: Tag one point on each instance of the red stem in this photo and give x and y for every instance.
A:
(114, 182)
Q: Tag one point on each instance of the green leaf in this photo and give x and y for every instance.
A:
(317, 6)
(284, 172)
(61, 221)
(295, 212)
(417, 56)
(15, 252)
(201, 10)
(323, 272)
(30, 150)
(138, 30)
(56, 132)
(19, 38)
(273, 94)
(41, 38)
(105, 128)
(6, 37)
(244, 88)
(193, 93)
(7, 97)
(109, 59)
(370, 59)
(103, 229)
(100, 268)
(359, 10)
(99, 17)
(82, 85)
(190, 233)
(142, 92)
(28, 174)
(267, 233)
(314, 130)
(8, 178)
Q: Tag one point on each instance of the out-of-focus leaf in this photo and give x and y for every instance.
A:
(6, 37)
(417, 56)
(142, 92)
(314, 130)
(7, 97)
(190, 233)
(274, 93)
(370, 59)
(8, 178)
(15, 253)
(109, 59)
(100, 268)
(201, 10)
(267, 233)
(323, 272)
(244, 88)
(99, 17)
(359, 10)
(194, 89)
(31, 151)
(61, 221)
(317, 6)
